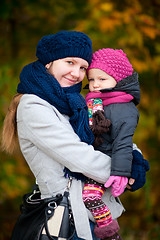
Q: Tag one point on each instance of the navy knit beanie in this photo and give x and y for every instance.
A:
(64, 44)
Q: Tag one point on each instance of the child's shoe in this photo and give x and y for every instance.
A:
(107, 231)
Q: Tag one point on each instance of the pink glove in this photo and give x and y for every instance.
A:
(117, 183)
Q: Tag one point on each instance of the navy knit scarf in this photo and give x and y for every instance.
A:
(34, 79)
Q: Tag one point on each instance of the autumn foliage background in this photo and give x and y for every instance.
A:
(133, 26)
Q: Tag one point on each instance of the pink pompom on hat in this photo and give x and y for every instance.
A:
(114, 62)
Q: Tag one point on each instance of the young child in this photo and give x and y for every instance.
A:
(113, 117)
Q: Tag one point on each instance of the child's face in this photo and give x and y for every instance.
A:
(98, 80)
(68, 71)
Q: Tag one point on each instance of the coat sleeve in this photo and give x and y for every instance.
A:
(52, 133)
(122, 146)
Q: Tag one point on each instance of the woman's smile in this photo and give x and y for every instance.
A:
(74, 81)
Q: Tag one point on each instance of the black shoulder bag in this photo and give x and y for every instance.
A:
(44, 219)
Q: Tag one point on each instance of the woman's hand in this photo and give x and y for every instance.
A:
(138, 175)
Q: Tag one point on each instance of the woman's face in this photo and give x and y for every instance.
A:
(99, 80)
(68, 71)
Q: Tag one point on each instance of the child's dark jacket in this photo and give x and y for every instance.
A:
(118, 142)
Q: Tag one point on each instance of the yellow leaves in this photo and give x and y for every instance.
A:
(8, 191)
(135, 38)
(146, 127)
(12, 185)
(9, 168)
(107, 7)
(146, 19)
(149, 31)
(94, 2)
(108, 24)
(142, 61)
(15, 177)
(157, 61)
(108, 18)
(145, 99)
(81, 26)
(140, 65)
(147, 26)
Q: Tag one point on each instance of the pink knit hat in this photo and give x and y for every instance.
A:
(114, 62)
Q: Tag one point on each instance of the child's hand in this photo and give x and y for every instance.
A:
(118, 184)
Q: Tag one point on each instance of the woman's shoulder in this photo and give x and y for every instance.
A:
(32, 99)
(31, 102)
(33, 107)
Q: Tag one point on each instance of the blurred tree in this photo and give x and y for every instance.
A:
(133, 26)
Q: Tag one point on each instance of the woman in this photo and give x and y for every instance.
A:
(50, 116)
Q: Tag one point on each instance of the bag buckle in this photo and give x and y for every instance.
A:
(52, 205)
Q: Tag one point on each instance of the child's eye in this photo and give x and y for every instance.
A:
(102, 79)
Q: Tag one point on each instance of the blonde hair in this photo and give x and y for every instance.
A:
(9, 131)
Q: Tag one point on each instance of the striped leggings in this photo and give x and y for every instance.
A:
(92, 194)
